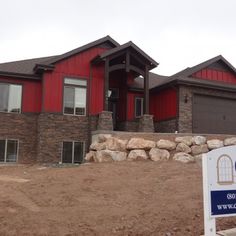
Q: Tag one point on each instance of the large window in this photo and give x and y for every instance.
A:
(138, 106)
(72, 152)
(8, 150)
(10, 98)
(75, 93)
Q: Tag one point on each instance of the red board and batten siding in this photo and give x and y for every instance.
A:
(217, 75)
(163, 104)
(31, 93)
(77, 66)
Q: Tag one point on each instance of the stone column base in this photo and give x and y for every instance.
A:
(105, 121)
(146, 124)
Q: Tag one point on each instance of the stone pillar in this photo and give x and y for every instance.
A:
(105, 121)
(146, 124)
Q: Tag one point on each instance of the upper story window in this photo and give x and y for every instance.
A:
(138, 106)
(75, 96)
(10, 98)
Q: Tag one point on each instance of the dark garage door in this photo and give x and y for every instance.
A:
(214, 115)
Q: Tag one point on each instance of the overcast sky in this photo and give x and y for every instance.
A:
(176, 33)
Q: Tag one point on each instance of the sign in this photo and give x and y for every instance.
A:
(219, 185)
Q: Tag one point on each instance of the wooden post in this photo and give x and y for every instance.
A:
(106, 85)
(146, 91)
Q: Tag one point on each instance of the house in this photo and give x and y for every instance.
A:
(49, 106)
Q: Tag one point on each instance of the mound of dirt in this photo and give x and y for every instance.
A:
(126, 198)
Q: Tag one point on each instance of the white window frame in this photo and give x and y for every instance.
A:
(5, 152)
(20, 108)
(73, 145)
(74, 83)
(135, 108)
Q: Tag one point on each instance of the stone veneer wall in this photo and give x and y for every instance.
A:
(185, 109)
(166, 126)
(22, 127)
(130, 126)
(53, 129)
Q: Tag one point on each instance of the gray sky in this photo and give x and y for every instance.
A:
(176, 33)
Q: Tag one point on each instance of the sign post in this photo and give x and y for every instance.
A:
(219, 186)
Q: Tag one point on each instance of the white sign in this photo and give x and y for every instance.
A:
(219, 186)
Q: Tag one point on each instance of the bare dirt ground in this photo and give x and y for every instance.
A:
(126, 198)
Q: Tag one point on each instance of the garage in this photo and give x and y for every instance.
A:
(214, 115)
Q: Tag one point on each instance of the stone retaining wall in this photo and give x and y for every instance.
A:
(120, 146)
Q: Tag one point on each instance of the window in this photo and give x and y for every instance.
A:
(73, 152)
(75, 93)
(8, 150)
(225, 170)
(10, 98)
(138, 107)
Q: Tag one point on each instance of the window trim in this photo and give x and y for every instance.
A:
(21, 97)
(5, 152)
(74, 86)
(135, 109)
(73, 145)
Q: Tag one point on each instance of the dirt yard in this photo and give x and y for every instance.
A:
(126, 198)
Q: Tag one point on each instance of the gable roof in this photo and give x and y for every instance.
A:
(127, 45)
(191, 70)
(106, 39)
(26, 68)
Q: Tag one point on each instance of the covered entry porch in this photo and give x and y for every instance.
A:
(121, 66)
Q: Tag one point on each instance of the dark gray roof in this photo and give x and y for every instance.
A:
(191, 70)
(154, 80)
(24, 66)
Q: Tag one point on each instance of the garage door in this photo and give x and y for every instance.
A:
(214, 115)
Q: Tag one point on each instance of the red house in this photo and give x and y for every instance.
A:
(49, 106)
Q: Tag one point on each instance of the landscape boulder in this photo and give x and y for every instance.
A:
(215, 143)
(108, 156)
(96, 146)
(182, 147)
(183, 157)
(140, 143)
(188, 140)
(230, 141)
(137, 154)
(166, 144)
(103, 137)
(199, 140)
(199, 149)
(157, 154)
(115, 144)
(90, 156)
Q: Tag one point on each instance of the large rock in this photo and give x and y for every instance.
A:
(230, 141)
(108, 156)
(140, 143)
(182, 147)
(215, 143)
(199, 149)
(157, 154)
(115, 144)
(90, 156)
(188, 140)
(199, 140)
(166, 144)
(183, 157)
(137, 154)
(96, 146)
(103, 137)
